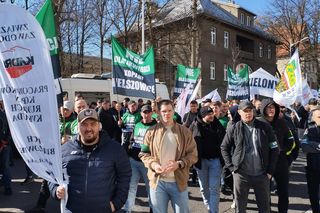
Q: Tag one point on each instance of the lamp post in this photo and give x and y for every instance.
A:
(300, 41)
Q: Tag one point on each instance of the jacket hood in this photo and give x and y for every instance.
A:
(267, 102)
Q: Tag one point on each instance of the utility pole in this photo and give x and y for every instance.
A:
(194, 33)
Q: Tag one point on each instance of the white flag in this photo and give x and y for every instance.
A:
(289, 87)
(28, 92)
(182, 100)
(213, 96)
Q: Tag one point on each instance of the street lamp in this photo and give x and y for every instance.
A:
(300, 41)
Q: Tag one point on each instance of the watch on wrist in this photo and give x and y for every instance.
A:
(180, 164)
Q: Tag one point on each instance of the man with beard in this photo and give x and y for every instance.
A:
(98, 169)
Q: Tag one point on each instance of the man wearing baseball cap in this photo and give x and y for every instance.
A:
(208, 133)
(138, 168)
(98, 169)
(250, 151)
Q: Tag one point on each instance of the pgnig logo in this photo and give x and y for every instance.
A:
(17, 61)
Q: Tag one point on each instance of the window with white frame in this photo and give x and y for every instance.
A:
(269, 52)
(225, 72)
(212, 70)
(226, 39)
(248, 21)
(260, 50)
(242, 18)
(213, 36)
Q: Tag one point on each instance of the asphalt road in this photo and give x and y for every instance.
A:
(25, 197)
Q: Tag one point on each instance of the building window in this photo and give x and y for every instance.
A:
(248, 21)
(226, 39)
(212, 70)
(225, 72)
(242, 18)
(269, 52)
(213, 36)
(260, 50)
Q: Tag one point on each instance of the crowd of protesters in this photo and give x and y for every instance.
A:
(225, 146)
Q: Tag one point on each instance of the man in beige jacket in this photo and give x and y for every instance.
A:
(168, 151)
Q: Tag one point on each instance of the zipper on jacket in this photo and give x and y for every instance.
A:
(86, 182)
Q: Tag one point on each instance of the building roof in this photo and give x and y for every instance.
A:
(232, 4)
(176, 10)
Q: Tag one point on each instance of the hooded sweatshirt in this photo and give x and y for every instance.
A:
(280, 128)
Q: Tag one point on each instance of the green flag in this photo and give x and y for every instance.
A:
(238, 84)
(185, 75)
(46, 19)
(133, 74)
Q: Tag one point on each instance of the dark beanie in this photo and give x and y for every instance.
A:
(205, 111)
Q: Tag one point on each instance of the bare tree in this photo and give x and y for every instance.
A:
(102, 26)
(124, 14)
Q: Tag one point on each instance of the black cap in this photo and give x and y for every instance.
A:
(313, 101)
(146, 107)
(245, 104)
(205, 111)
(208, 100)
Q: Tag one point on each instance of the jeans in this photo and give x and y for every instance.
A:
(166, 191)
(138, 171)
(209, 180)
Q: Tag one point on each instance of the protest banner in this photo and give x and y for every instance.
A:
(182, 100)
(28, 92)
(262, 83)
(133, 74)
(238, 84)
(185, 75)
(46, 19)
(289, 88)
(306, 93)
(213, 96)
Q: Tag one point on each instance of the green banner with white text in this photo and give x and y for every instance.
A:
(132, 74)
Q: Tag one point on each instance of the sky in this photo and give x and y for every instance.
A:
(256, 6)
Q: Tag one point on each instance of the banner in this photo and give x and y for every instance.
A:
(213, 96)
(193, 96)
(185, 75)
(28, 92)
(133, 74)
(182, 100)
(289, 87)
(306, 93)
(238, 84)
(262, 83)
(46, 19)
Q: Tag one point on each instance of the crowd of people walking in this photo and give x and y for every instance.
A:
(225, 146)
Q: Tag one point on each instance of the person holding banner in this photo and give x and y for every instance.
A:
(168, 151)
(98, 169)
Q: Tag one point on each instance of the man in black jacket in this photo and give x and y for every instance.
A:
(270, 114)
(98, 169)
(107, 121)
(208, 133)
(310, 144)
(250, 151)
